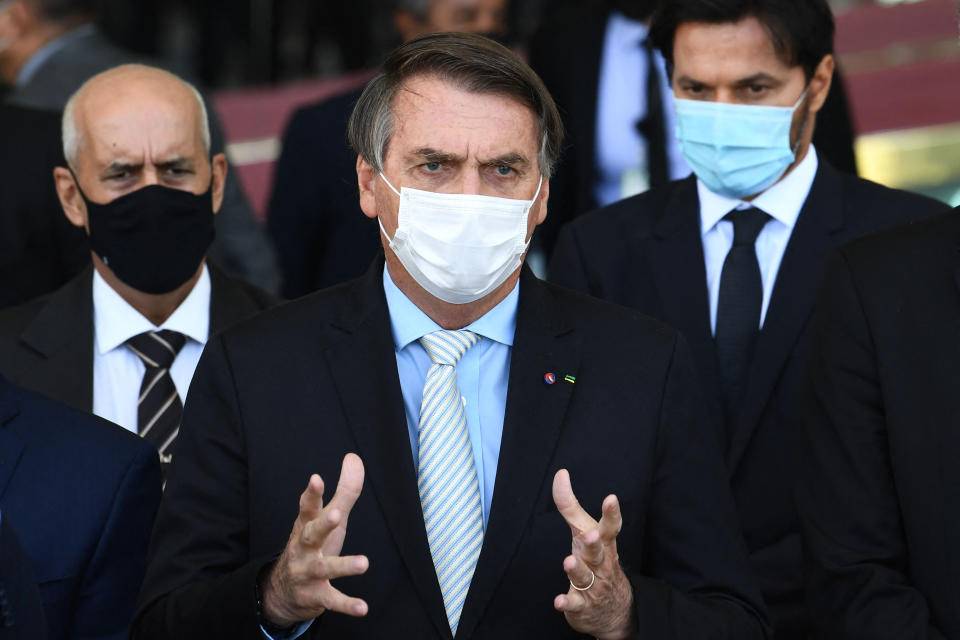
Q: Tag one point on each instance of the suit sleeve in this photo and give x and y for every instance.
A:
(200, 577)
(107, 597)
(857, 557)
(566, 266)
(696, 582)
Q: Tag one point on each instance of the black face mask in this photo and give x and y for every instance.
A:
(153, 238)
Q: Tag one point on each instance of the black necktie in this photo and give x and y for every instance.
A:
(738, 307)
(159, 408)
(653, 124)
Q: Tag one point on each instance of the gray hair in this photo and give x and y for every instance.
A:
(71, 135)
(473, 63)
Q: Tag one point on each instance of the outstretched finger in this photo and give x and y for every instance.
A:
(336, 600)
(580, 575)
(331, 568)
(568, 506)
(315, 532)
(350, 484)
(311, 500)
(611, 520)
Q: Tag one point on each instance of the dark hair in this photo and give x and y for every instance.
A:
(801, 30)
(471, 62)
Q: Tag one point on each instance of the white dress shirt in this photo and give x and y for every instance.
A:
(782, 202)
(621, 152)
(117, 372)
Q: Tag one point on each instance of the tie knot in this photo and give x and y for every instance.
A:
(747, 224)
(157, 349)
(447, 347)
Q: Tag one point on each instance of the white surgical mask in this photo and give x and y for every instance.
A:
(459, 247)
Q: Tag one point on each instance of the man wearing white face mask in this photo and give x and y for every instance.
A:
(732, 255)
(486, 407)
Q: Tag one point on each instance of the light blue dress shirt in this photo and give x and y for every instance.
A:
(482, 375)
(621, 103)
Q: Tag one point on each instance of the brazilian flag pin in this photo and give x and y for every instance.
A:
(570, 379)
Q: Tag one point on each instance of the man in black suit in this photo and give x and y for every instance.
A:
(142, 184)
(321, 237)
(52, 47)
(603, 80)
(39, 249)
(81, 495)
(879, 481)
(733, 260)
(21, 614)
(469, 435)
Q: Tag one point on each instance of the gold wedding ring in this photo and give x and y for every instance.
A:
(593, 578)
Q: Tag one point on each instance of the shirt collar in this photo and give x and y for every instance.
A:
(115, 321)
(783, 201)
(409, 323)
(47, 51)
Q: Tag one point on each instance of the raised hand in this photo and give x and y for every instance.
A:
(298, 588)
(600, 599)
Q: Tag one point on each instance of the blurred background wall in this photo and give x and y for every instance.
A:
(263, 58)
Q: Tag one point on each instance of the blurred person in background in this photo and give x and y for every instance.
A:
(597, 60)
(81, 495)
(732, 255)
(879, 480)
(122, 339)
(39, 249)
(48, 48)
(322, 238)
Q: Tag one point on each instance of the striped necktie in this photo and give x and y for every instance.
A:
(159, 408)
(446, 473)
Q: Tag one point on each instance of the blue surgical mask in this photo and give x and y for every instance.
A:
(736, 150)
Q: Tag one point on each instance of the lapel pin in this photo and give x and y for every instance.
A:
(570, 379)
(549, 378)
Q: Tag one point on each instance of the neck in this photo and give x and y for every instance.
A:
(448, 316)
(156, 308)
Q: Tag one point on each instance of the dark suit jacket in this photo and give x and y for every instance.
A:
(646, 253)
(21, 613)
(39, 249)
(879, 486)
(322, 236)
(47, 344)
(289, 393)
(81, 494)
(572, 74)
(241, 246)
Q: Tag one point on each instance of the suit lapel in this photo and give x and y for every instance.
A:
(544, 343)
(11, 446)
(369, 387)
(791, 301)
(62, 333)
(677, 264)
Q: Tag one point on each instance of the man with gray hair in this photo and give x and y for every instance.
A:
(122, 339)
(461, 400)
(314, 220)
(48, 48)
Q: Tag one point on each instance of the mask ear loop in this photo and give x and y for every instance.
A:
(380, 222)
(806, 119)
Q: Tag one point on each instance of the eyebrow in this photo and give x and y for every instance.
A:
(176, 162)
(757, 77)
(433, 155)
